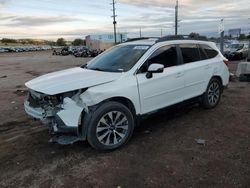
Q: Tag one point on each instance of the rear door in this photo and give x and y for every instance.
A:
(197, 69)
(163, 89)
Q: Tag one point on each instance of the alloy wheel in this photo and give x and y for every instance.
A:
(112, 128)
(213, 93)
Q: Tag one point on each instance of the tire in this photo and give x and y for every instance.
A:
(106, 134)
(241, 56)
(211, 97)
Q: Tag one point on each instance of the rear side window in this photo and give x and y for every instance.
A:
(210, 52)
(190, 53)
(203, 55)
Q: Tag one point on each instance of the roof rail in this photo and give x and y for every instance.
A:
(141, 38)
(181, 37)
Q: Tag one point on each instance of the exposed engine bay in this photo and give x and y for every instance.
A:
(61, 113)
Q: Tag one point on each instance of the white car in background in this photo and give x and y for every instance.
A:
(102, 101)
(2, 50)
(236, 51)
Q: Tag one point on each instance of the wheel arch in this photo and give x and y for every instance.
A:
(86, 117)
(219, 78)
(125, 101)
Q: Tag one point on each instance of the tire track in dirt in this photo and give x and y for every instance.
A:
(12, 131)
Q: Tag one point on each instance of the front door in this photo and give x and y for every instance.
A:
(163, 89)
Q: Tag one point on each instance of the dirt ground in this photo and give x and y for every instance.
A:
(162, 152)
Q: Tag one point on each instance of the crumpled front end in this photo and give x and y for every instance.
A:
(61, 113)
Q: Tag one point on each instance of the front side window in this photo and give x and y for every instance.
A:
(190, 53)
(118, 59)
(166, 56)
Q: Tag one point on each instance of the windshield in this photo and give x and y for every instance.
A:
(118, 59)
(237, 46)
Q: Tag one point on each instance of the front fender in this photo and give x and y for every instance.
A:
(98, 94)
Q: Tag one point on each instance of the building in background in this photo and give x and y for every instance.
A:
(104, 41)
(234, 32)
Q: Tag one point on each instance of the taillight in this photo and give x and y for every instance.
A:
(226, 61)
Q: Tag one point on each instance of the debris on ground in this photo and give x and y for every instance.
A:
(147, 132)
(21, 92)
(200, 141)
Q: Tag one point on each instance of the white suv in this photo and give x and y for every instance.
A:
(102, 101)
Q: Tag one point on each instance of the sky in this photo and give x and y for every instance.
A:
(51, 19)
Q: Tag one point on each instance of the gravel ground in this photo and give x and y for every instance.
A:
(162, 152)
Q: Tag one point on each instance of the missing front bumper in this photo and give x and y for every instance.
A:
(65, 121)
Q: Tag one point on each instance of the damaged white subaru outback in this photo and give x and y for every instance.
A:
(102, 101)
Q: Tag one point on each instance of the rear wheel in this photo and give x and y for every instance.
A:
(111, 126)
(211, 97)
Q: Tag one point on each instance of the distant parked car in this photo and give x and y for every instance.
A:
(236, 51)
(2, 50)
(82, 53)
(56, 52)
(65, 51)
(94, 53)
(72, 50)
(18, 50)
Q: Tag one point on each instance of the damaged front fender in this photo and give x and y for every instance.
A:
(70, 113)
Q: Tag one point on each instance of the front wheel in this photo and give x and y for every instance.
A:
(211, 97)
(111, 126)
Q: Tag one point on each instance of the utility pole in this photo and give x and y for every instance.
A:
(114, 19)
(140, 33)
(176, 17)
(248, 57)
(221, 30)
(161, 32)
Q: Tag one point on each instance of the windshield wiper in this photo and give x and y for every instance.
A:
(84, 66)
(96, 69)
(102, 69)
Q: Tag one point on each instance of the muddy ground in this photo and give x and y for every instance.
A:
(162, 152)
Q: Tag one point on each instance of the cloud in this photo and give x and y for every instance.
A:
(16, 20)
(150, 15)
(3, 2)
(194, 15)
(41, 21)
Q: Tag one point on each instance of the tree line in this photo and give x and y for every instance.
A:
(79, 41)
(59, 42)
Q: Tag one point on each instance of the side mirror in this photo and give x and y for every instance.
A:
(154, 68)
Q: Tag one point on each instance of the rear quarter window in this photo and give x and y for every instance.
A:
(210, 52)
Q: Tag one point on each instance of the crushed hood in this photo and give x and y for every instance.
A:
(69, 80)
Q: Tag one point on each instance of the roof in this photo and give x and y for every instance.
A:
(174, 39)
(151, 42)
